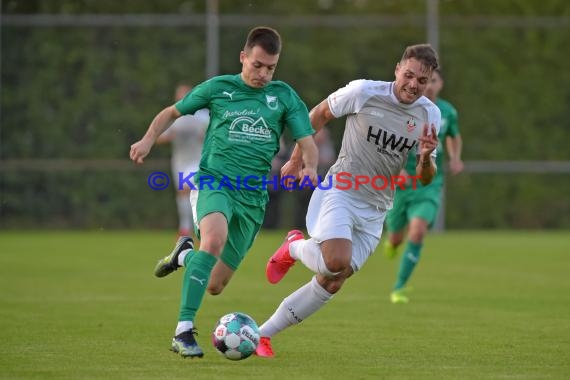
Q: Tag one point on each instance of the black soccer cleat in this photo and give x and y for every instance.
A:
(169, 264)
(185, 344)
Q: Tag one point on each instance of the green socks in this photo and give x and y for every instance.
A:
(198, 268)
(410, 258)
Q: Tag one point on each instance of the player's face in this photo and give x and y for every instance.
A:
(434, 87)
(257, 66)
(412, 78)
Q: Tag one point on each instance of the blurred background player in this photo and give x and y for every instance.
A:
(417, 209)
(186, 135)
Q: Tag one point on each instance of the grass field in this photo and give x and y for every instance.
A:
(486, 305)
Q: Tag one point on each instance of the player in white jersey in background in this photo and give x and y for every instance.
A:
(385, 121)
(187, 137)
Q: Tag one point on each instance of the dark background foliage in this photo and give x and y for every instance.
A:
(87, 93)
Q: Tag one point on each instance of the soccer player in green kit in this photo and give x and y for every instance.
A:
(248, 113)
(418, 208)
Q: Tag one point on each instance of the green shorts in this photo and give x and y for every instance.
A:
(422, 203)
(244, 221)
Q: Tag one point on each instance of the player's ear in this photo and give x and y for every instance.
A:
(242, 56)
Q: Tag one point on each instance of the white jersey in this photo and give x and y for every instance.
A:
(379, 134)
(187, 134)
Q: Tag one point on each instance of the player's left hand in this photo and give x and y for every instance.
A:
(289, 173)
(456, 166)
(310, 173)
(428, 140)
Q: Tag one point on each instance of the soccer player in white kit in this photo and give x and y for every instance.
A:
(385, 121)
(187, 137)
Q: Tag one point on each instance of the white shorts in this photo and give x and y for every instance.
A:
(186, 169)
(335, 214)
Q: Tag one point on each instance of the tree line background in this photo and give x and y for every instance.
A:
(87, 93)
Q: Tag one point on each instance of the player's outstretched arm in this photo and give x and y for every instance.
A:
(454, 146)
(321, 115)
(160, 123)
(165, 138)
(426, 167)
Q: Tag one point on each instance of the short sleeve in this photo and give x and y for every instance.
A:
(349, 99)
(196, 99)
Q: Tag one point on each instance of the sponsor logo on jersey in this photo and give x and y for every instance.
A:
(411, 125)
(247, 129)
(229, 94)
(389, 141)
(272, 102)
(244, 112)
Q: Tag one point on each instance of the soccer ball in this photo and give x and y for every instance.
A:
(236, 336)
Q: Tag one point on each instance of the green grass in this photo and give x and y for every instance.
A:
(486, 305)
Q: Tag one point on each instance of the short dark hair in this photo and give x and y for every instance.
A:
(265, 37)
(423, 53)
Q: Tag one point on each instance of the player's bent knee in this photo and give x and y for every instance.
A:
(418, 230)
(213, 246)
(336, 265)
(417, 237)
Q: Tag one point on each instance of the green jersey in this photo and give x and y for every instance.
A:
(448, 128)
(243, 135)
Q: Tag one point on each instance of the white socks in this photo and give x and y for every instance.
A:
(182, 256)
(298, 306)
(184, 211)
(183, 326)
(310, 254)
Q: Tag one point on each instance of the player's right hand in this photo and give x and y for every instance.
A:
(428, 140)
(139, 151)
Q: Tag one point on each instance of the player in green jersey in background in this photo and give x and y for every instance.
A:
(418, 208)
(248, 113)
